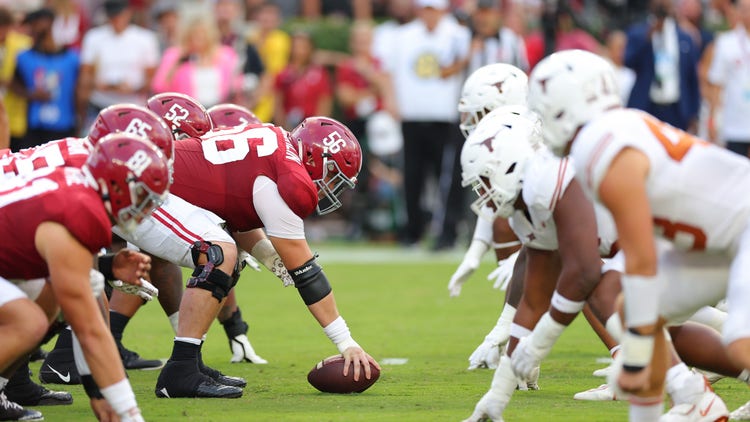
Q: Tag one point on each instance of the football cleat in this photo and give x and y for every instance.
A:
(59, 368)
(742, 413)
(132, 360)
(31, 394)
(600, 393)
(10, 411)
(708, 408)
(602, 372)
(218, 376)
(242, 350)
(182, 379)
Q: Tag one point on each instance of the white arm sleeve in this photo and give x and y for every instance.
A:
(483, 230)
(278, 219)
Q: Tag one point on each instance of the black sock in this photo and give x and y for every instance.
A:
(64, 339)
(235, 326)
(20, 378)
(117, 323)
(185, 351)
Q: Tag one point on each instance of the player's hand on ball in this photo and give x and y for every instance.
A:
(130, 266)
(355, 358)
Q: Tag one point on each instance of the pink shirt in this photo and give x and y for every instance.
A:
(184, 77)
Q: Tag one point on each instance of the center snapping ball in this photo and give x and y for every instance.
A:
(328, 377)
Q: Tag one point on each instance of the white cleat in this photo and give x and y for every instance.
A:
(600, 393)
(742, 413)
(709, 408)
(531, 384)
(242, 351)
(712, 377)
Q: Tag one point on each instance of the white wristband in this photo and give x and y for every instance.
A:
(506, 244)
(566, 305)
(120, 396)
(636, 350)
(338, 332)
(546, 332)
(641, 299)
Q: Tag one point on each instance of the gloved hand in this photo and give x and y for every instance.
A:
(502, 274)
(145, 290)
(467, 267)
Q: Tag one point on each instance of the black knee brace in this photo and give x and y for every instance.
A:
(208, 277)
(311, 282)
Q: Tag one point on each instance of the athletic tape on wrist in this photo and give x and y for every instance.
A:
(121, 397)
(641, 299)
(338, 332)
(566, 305)
(636, 351)
(264, 252)
(546, 332)
(518, 331)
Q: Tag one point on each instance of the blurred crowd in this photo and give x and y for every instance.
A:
(397, 86)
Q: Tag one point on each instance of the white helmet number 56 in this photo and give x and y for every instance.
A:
(334, 142)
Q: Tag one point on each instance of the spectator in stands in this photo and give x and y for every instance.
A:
(615, 47)
(427, 62)
(273, 44)
(118, 61)
(400, 12)
(46, 75)
(729, 80)
(167, 22)
(71, 22)
(12, 42)
(665, 61)
(569, 35)
(200, 66)
(303, 88)
(492, 42)
(689, 16)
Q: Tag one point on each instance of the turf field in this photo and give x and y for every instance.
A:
(397, 305)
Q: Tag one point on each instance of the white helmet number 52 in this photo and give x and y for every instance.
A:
(176, 114)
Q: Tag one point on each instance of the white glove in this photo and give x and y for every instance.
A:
(487, 355)
(265, 253)
(279, 270)
(145, 291)
(533, 349)
(489, 407)
(504, 271)
(242, 350)
(247, 260)
(467, 267)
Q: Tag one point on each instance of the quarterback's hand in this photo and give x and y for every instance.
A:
(144, 290)
(487, 355)
(358, 358)
(489, 408)
(526, 358)
(130, 266)
(103, 411)
(502, 274)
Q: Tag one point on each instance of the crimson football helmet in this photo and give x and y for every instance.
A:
(332, 157)
(137, 120)
(132, 176)
(183, 113)
(230, 115)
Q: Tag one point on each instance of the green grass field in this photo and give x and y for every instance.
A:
(397, 305)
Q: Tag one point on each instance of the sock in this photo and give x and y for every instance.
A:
(645, 409)
(683, 385)
(174, 319)
(20, 377)
(235, 326)
(64, 339)
(117, 323)
(185, 350)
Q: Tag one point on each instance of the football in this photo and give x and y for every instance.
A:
(327, 376)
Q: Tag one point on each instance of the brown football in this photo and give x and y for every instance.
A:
(328, 377)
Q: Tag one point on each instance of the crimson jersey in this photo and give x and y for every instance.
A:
(69, 152)
(218, 172)
(63, 195)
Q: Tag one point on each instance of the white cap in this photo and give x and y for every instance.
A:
(436, 4)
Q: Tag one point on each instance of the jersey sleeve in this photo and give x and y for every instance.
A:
(88, 222)
(545, 180)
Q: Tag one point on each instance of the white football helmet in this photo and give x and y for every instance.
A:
(493, 159)
(488, 88)
(568, 89)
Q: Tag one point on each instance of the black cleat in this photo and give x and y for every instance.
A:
(38, 355)
(132, 360)
(59, 368)
(221, 378)
(182, 379)
(32, 394)
(10, 411)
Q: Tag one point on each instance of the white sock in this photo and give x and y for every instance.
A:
(684, 385)
(645, 409)
(174, 320)
(195, 341)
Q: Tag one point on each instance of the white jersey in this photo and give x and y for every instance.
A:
(698, 192)
(545, 180)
